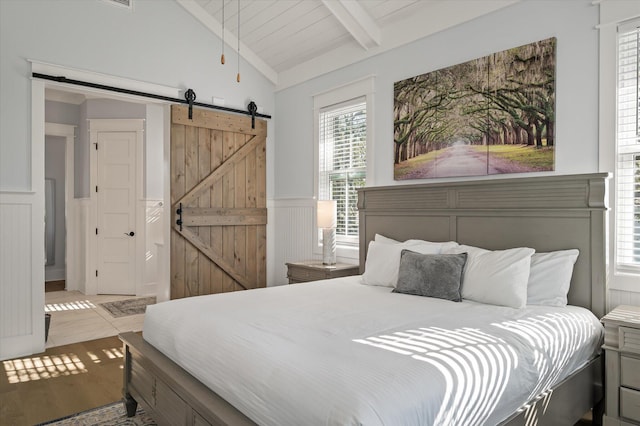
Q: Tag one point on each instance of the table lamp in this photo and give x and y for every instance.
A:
(327, 221)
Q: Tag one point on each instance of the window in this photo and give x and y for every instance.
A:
(627, 249)
(343, 132)
(618, 134)
(343, 162)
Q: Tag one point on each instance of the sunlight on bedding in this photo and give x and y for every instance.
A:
(542, 333)
(477, 366)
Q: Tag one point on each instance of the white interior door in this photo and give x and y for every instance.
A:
(116, 193)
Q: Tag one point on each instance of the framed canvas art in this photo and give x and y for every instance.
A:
(491, 115)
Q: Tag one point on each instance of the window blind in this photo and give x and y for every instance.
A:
(628, 149)
(342, 168)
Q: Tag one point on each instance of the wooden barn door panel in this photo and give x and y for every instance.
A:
(218, 182)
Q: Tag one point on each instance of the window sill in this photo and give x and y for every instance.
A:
(348, 254)
(625, 282)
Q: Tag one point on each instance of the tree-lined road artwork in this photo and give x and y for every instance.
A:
(463, 160)
(491, 115)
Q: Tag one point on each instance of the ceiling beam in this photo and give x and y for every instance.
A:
(215, 27)
(424, 22)
(357, 21)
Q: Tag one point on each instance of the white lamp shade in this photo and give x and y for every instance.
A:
(327, 216)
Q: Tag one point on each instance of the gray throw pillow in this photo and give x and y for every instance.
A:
(431, 275)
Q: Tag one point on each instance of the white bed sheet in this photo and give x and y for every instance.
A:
(340, 352)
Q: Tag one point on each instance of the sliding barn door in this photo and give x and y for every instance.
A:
(218, 200)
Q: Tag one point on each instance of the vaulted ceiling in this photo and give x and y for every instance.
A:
(291, 41)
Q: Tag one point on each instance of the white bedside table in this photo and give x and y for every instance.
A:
(312, 270)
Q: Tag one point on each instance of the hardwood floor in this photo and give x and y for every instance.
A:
(69, 376)
(60, 381)
(54, 286)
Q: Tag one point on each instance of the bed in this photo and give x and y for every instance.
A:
(544, 213)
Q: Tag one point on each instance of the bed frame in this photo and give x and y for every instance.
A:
(545, 213)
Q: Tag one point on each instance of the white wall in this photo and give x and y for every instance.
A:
(156, 42)
(572, 22)
(153, 152)
(62, 113)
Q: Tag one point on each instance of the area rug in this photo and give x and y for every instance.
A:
(122, 308)
(110, 414)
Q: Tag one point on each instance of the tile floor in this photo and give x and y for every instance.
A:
(76, 317)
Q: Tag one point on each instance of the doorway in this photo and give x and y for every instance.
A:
(25, 209)
(90, 322)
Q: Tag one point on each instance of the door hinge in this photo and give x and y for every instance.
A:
(96, 144)
(96, 231)
(96, 272)
(96, 188)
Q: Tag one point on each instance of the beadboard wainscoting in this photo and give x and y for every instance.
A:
(293, 234)
(296, 238)
(77, 238)
(21, 273)
(152, 278)
(621, 297)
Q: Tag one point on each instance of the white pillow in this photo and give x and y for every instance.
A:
(550, 277)
(385, 240)
(496, 277)
(383, 261)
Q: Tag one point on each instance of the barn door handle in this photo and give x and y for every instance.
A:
(179, 213)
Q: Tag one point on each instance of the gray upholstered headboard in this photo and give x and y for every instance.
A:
(545, 213)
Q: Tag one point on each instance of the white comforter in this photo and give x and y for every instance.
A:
(340, 352)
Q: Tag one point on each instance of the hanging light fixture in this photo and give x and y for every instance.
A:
(238, 76)
(222, 57)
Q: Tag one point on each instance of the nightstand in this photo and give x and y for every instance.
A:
(313, 270)
(622, 357)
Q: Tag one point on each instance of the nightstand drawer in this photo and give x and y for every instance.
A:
(313, 270)
(630, 339)
(630, 372)
(630, 404)
(305, 275)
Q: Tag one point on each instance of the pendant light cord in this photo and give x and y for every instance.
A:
(222, 57)
(238, 76)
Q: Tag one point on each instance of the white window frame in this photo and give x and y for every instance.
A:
(612, 14)
(362, 88)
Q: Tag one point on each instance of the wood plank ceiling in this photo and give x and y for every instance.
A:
(290, 41)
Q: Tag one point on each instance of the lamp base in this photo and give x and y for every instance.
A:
(328, 246)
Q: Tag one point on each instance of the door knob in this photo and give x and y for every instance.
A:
(131, 234)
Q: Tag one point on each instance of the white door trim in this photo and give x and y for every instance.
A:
(22, 289)
(68, 132)
(116, 125)
(32, 341)
(105, 80)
